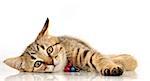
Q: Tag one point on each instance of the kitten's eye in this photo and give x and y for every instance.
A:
(49, 50)
(37, 64)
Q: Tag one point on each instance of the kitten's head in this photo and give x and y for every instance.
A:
(45, 54)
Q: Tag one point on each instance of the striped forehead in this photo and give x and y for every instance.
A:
(38, 51)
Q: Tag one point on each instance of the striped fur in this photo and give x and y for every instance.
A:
(51, 54)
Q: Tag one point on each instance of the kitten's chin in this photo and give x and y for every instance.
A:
(58, 69)
(60, 66)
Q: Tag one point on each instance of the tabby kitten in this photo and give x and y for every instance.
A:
(51, 54)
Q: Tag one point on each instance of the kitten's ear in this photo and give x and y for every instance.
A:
(44, 31)
(14, 62)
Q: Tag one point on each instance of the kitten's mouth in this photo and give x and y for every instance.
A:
(56, 63)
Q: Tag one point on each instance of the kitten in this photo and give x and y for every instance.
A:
(51, 54)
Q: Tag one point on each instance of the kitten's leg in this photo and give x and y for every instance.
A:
(127, 61)
(106, 66)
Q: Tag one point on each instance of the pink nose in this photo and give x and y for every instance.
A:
(50, 61)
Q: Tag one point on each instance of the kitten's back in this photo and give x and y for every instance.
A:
(73, 42)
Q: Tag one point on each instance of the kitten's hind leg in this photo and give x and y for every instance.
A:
(127, 61)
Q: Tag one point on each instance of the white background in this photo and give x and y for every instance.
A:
(110, 26)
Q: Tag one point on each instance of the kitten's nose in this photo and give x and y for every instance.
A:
(50, 61)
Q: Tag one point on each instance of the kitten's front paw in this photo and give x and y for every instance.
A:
(112, 71)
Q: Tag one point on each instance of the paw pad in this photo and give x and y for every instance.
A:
(116, 71)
